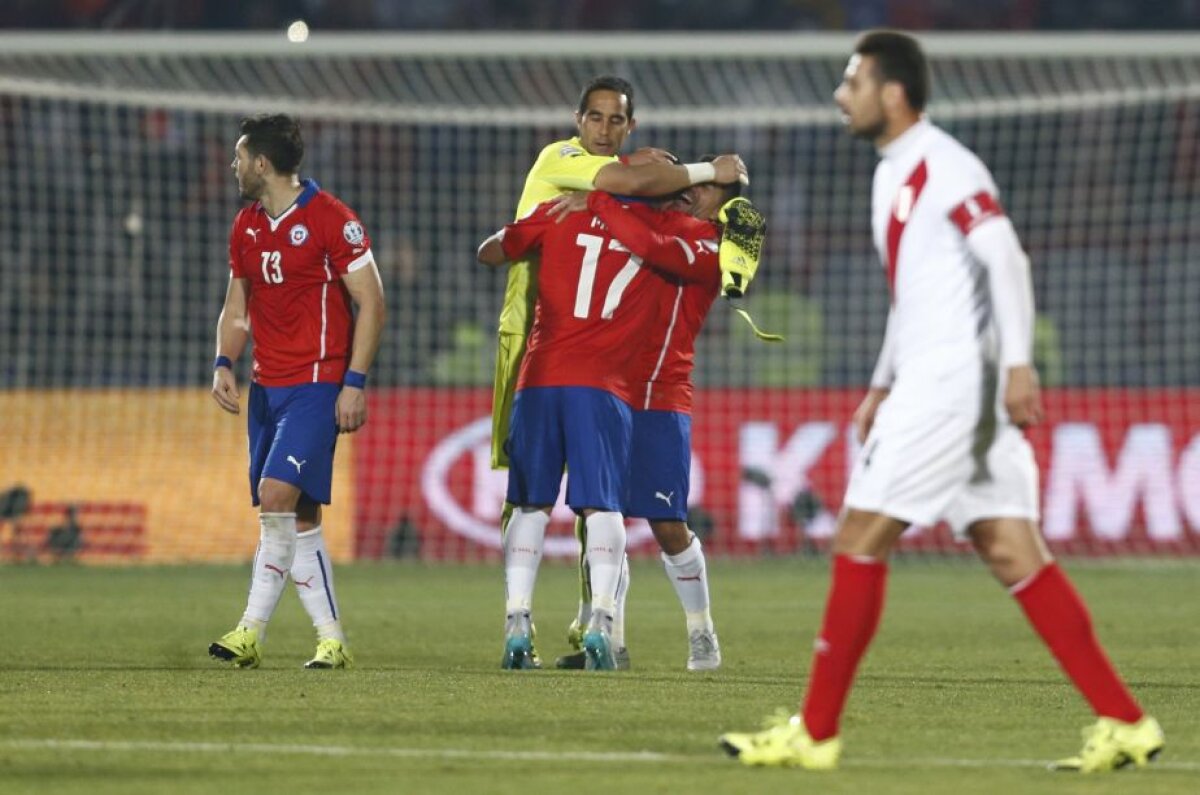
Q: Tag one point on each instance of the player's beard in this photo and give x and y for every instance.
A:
(252, 188)
(871, 131)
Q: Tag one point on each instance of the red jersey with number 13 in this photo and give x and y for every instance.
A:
(300, 313)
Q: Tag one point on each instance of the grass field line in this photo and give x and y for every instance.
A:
(135, 746)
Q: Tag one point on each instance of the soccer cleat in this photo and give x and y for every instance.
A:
(783, 743)
(597, 643)
(238, 646)
(578, 660)
(575, 635)
(519, 653)
(331, 653)
(1110, 744)
(704, 652)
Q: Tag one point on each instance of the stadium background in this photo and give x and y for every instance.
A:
(116, 202)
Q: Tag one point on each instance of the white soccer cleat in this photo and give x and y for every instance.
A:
(704, 652)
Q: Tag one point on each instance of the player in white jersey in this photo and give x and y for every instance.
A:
(941, 422)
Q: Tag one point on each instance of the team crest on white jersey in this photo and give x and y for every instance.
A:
(298, 234)
(353, 232)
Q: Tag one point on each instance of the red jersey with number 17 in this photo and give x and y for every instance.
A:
(687, 277)
(593, 311)
(300, 314)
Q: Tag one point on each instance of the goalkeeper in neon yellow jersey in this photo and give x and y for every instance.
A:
(604, 119)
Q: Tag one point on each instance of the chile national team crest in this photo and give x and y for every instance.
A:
(353, 232)
(298, 234)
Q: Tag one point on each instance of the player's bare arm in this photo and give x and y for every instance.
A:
(864, 415)
(491, 251)
(233, 332)
(366, 290)
(658, 179)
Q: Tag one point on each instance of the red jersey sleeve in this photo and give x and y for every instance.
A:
(521, 237)
(235, 245)
(688, 252)
(346, 241)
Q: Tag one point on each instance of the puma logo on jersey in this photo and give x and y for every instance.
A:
(305, 583)
(658, 495)
(292, 460)
(253, 234)
(281, 572)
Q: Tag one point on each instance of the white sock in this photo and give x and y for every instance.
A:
(522, 553)
(689, 577)
(272, 563)
(618, 627)
(313, 576)
(605, 556)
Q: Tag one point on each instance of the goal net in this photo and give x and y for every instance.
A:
(117, 199)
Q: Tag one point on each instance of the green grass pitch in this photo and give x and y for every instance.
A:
(105, 685)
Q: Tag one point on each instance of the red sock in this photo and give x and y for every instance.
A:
(1059, 615)
(851, 616)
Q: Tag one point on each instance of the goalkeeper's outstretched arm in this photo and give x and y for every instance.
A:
(659, 179)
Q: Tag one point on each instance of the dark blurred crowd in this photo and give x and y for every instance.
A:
(712, 15)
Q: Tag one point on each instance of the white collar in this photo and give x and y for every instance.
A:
(904, 142)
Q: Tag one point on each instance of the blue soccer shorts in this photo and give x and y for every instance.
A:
(660, 466)
(293, 432)
(587, 430)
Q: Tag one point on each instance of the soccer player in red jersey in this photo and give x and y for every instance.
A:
(574, 391)
(660, 461)
(941, 423)
(298, 259)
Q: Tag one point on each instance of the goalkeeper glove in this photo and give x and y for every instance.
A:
(741, 245)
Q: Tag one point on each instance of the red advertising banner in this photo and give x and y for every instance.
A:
(1120, 474)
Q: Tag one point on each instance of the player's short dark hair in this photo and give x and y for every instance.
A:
(275, 136)
(608, 83)
(898, 58)
(733, 189)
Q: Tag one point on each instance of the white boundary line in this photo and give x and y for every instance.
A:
(134, 746)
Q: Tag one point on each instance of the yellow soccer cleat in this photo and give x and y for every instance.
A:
(742, 238)
(331, 653)
(238, 646)
(1110, 744)
(783, 743)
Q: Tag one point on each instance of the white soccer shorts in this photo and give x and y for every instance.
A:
(924, 462)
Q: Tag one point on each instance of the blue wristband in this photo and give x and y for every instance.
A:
(223, 361)
(355, 379)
